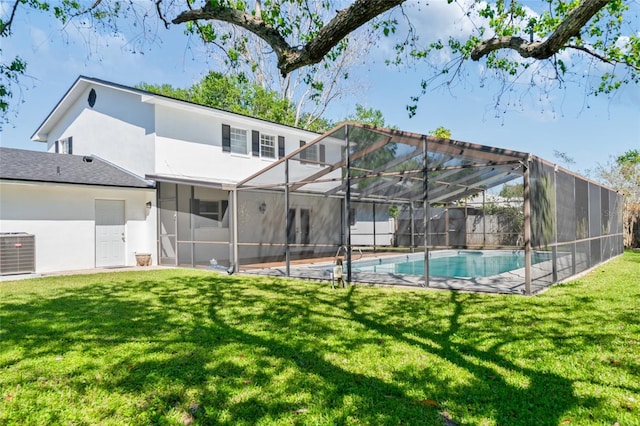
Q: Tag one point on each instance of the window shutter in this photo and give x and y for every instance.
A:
(255, 143)
(57, 147)
(195, 206)
(280, 146)
(302, 153)
(226, 138)
(322, 154)
(70, 145)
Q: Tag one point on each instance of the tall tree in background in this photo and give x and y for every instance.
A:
(514, 41)
(232, 93)
(369, 116)
(512, 191)
(441, 132)
(623, 174)
(237, 94)
(564, 157)
(310, 89)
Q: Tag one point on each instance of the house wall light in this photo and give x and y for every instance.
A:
(148, 205)
(262, 207)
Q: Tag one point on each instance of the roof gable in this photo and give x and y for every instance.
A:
(82, 83)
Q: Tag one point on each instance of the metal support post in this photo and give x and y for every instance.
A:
(234, 216)
(425, 207)
(554, 249)
(374, 226)
(287, 221)
(527, 227)
(412, 228)
(347, 204)
(484, 221)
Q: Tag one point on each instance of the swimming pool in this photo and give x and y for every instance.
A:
(451, 263)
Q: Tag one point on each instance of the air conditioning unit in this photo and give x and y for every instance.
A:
(17, 253)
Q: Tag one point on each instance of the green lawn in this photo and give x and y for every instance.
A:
(196, 347)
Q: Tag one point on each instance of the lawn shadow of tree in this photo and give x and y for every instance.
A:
(489, 394)
(213, 349)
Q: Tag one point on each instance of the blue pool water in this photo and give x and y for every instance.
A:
(461, 264)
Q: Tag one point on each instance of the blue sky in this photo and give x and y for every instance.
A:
(588, 129)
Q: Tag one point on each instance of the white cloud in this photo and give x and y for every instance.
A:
(439, 19)
(125, 57)
(4, 10)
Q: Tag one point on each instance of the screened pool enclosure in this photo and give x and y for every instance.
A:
(411, 202)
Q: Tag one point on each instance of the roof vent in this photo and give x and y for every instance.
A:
(87, 159)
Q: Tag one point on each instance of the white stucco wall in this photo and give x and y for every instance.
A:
(119, 128)
(146, 134)
(62, 218)
(189, 143)
(263, 234)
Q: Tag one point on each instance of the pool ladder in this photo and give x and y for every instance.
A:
(344, 250)
(518, 241)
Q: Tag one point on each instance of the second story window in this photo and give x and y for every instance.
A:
(234, 140)
(267, 146)
(311, 153)
(314, 153)
(64, 146)
(238, 141)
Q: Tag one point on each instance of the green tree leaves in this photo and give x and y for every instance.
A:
(623, 174)
(507, 35)
(232, 93)
(441, 132)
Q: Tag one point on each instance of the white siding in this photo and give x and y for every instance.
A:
(189, 143)
(119, 128)
(147, 134)
(62, 218)
(263, 234)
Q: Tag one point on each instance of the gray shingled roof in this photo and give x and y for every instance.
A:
(19, 164)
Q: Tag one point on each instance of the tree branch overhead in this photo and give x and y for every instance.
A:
(313, 34)
(289, 57)
(570, 27)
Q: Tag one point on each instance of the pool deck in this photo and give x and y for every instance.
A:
(320, 269)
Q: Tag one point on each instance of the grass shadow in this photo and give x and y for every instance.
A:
(190, 347)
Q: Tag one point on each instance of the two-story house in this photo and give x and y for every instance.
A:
(190, 158)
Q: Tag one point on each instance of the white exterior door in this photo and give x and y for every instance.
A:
(110, 238)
